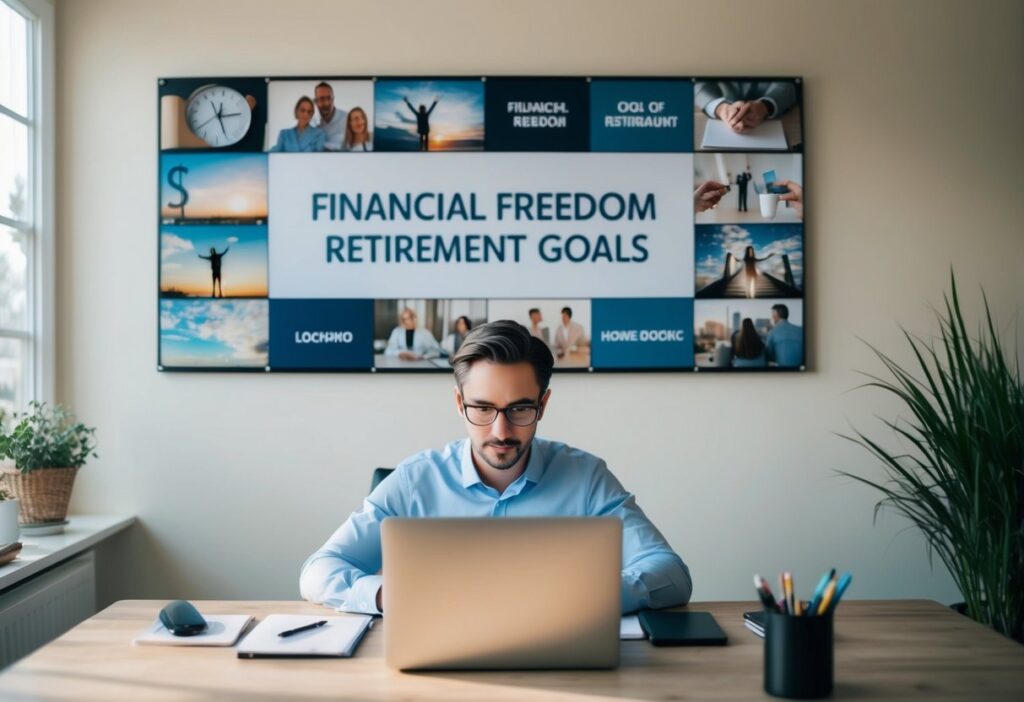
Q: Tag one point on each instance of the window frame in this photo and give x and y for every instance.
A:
(39, 363)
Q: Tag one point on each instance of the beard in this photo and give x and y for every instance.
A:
(515, 444)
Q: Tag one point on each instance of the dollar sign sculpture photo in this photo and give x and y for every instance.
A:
(174, 178)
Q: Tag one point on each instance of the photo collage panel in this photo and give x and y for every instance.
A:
(218, 138)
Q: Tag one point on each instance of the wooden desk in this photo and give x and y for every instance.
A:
(884, 651)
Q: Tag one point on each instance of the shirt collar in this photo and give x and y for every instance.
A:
(535, 465)
(469, 474)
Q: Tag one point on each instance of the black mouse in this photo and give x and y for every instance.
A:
(182, 619)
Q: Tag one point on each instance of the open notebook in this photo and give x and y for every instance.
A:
(338, 638)
(768, 135)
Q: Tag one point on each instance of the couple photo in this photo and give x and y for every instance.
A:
(308, 117)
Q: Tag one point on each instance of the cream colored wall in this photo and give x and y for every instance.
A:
(914, 152)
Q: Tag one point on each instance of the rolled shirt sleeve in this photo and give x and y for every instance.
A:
(344, 572)
(653, 575)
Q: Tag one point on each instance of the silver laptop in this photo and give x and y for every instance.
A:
(505, 593)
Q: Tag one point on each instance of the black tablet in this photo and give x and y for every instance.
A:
(682, 628)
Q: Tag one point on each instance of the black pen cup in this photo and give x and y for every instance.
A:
(798, 656)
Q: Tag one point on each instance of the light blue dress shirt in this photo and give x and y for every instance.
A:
(558, 481)
(785, 344)
(291, 141)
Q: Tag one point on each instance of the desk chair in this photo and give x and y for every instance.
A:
(378, 475)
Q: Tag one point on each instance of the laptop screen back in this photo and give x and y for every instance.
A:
(503, 593)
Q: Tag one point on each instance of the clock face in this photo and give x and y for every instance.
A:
(218, 115)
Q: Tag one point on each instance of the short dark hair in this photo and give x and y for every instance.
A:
(532, 310)
(504, 342)
(568, 311)
(781, 310)
(323, 84)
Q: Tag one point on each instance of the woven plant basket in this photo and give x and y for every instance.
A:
(43, 494)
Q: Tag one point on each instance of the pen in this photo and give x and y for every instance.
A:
(844, 582)
(787, 583)
(812, 608)
(765, 593)
(307, 627)
(784, 595)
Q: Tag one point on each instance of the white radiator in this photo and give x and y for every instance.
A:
(39, 610)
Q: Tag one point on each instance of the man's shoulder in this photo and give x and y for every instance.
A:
(788, 329)
(560, 455)
(432, 459)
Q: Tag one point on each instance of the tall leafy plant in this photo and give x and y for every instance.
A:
(960, 479)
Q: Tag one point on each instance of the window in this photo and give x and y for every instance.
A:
(26, 207)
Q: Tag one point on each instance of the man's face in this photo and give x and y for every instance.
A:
(408, 320)
(501, 444)
(535, 318)
(775, 317)
(324, 101)
(565, 318)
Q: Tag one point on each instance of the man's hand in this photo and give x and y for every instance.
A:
(794, 196)
(746, 115)
(409, 356)
(707, 195)
(725, 111)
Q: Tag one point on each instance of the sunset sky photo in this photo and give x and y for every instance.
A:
(456, 124)
(243, 268)
(220, 186)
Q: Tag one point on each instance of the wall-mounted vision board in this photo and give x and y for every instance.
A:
(366, 224)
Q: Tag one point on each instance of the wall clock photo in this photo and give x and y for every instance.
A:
(218, 114)
(224, 114)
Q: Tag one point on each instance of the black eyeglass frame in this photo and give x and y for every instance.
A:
(504, 411)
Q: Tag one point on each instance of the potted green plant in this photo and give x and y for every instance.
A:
(958, 474)
(44, 448)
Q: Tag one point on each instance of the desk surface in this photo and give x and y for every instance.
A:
(885, 650)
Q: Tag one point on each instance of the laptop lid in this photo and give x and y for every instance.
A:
(502, 593)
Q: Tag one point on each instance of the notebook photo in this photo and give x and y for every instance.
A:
(768, 136)
(338, 638)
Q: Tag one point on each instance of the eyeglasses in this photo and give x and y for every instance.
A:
(518, 415)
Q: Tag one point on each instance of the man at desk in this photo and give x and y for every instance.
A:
(500, 470)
